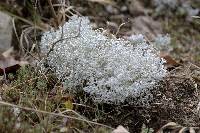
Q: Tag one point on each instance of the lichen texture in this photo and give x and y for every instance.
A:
(181, 7)
(110, 69)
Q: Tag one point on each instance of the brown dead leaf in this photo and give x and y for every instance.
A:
(8, 63)
(170, 62)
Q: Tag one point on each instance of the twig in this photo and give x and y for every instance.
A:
(26, 21)
(195, 66)
(119, 29)
(53, 45)
(54, 114)
(77, 115)
(78, 104)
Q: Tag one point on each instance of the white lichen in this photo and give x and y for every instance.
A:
(165, 4)
(180, 7)
(162, 43)
(109, 69)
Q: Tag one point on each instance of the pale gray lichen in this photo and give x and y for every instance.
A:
(113, 69)
(180, 7)
(165, 4)
(162, 43)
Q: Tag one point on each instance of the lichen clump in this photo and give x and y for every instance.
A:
(110, 69)
(178, 7)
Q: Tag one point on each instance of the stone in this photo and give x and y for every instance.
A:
(5, 32)
(147, 26)
(135, 7)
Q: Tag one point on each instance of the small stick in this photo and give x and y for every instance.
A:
(53, 114)
(53, 45)
(119, 29)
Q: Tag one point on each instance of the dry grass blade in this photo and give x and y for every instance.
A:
(27, 21)
(52, 9)
(169, 126)
(176, 128)
(15, 30)
(77, 115)
(196, 17)
(53, 114)
(119, 28)
(26, 38)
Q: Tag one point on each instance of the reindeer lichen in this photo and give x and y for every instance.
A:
(109, 69)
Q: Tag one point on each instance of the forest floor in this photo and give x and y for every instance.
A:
(31, 101)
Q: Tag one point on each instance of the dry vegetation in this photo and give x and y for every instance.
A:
(32, 101)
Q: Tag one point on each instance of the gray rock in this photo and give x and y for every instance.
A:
(147, 26)
(135, 7)
(5, 32)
